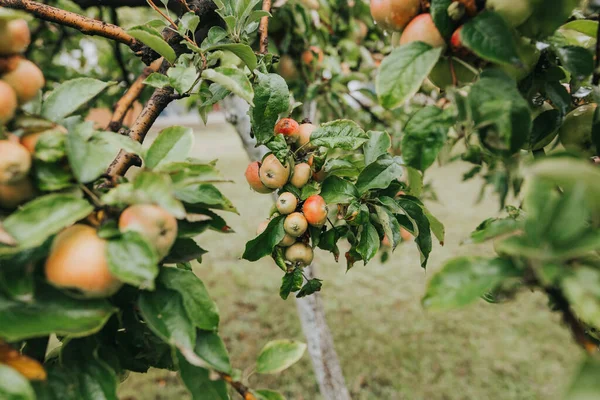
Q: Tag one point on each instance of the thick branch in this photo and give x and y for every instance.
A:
(86, 25)
(263, 29)
(132, 94)
(158, 102)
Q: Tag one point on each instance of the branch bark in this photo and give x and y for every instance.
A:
(311, 312)
(131, 95)
(263, 29)
(158, 102)
(86, 25)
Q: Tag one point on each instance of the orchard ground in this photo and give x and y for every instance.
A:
(390, 348)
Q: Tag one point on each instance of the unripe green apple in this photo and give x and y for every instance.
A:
(513, 12)
(576, 131)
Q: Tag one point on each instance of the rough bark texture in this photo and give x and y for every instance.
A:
(326, 364)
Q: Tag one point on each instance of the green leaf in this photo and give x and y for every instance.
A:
(492, 228)
(279, 355)
(184, 250)
(232, 79)
(582, 289)
(211, 349)
(271, 98)
(577, 60)
(70, 95)
(197, 381)
(340, 134)
(165, 315)
(500, 112)
(133, 260)
(52, 312)
(186, 173)
(419, 220)
(424, 137)
(50, 146)
(205, 195)
(587, 27)
(13, 385)
(200, 307)
(403, 71)
(463, 280)
(78, 373)
(368, 242)
(340, 167)
(279, 148)
(585, 385)
(490, 37)
(390, 225)
(147, 188)
(338, 190)
(43, 217)
(182, 78)
(439, 14)
(152, 38)
(172, 145)
(378, 144)
(291, 282)
(312, 286)
(263, 244)
(547, 16)
(379, 174)
(157, 80)
(90, 152)
(243, 51)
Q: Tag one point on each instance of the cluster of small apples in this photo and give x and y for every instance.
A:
(19, 84)
(78, 259)
(416, 24)
(271, 175)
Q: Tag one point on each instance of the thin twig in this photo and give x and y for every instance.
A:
(133, 93)
(86, 25)
(185, 4)
(169, 19)
(263, 29)
(238, 386)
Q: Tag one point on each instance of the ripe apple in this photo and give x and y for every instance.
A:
(295, 224)
(394, 15)
(287, 68)
(286, 203)
(15, 162)
(154, 223)
(576, 131)
(299, 254)
(287, 241)
(15, 35)
(253, 178)
(422, 29)
(272, 173)
(304, 133)
(301, 176)
(308, 56)
(78, 260)
(26, 80)
(287, 127)
(8, 103)
(315, 210)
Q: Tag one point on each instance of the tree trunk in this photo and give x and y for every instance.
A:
(310, 309)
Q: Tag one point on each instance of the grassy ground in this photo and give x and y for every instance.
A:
(389, 346)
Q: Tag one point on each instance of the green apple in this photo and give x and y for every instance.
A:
(529, 56)
(513, 12)
(576, 131)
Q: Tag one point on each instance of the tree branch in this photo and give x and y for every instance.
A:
(158, 102)
(238, 386)
(86, 25)
(263, 29)
(131, 95)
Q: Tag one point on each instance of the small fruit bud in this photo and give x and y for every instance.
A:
(456, 11)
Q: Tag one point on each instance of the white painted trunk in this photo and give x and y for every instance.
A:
(326, 364)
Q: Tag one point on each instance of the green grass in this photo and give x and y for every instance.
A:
(390, 348)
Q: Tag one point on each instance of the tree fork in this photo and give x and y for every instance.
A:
(131, 95)
(158, 102)
(86, 25)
